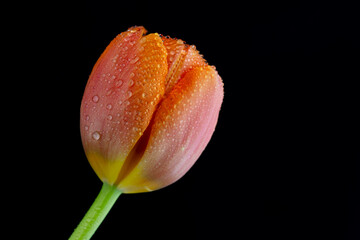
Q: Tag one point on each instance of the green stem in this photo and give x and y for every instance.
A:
(97, 212)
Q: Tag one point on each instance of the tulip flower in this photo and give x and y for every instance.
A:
(149, 109)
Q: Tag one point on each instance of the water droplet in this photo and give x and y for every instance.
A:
(129, 93)
(143, 95)
(118, 83)
(109, 117)
(95, 98)
(109, 92)
(87, 117)
(132, 75)
(109, 106)
(86, 128)
(96, 135)
(131, 82)
(134, 60)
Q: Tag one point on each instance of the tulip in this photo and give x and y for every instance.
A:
(149, 109)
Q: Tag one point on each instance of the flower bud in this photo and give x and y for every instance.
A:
(149, 109)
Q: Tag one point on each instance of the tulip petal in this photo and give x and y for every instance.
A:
(120, 98)
(176, 54)
(181, 58)
(180, 130)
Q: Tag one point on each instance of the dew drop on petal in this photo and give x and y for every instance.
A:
(118, 83)
(96, 135)
(109, 92)
(95, 98)
(134, 60)
(109, 106)
(131, 82)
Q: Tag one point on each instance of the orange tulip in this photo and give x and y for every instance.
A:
(149, 109)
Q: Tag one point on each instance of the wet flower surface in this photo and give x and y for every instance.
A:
(149, 109)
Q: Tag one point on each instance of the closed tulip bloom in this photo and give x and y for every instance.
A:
(149, 109)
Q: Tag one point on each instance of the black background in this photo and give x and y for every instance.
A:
(283, 162)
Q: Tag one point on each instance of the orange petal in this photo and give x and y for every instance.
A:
(181, 128)
(181, 58)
